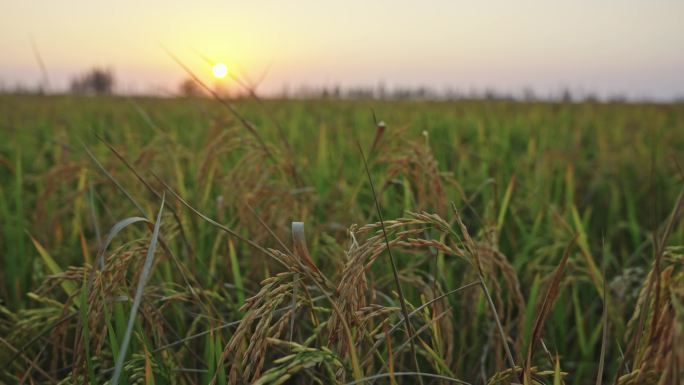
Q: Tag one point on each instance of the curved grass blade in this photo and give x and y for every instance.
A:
(115, 230)
(147, 267)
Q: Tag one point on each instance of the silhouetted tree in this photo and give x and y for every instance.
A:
(97, 81)
(567, 97)
(190, 88)
(529, 95)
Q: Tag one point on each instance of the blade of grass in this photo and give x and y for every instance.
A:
(149, 374)
(237, 277)
(23, 264)
(395, 271)
(504, 204)
(583, 243)
(557, 379)
(390, 359)
(52, 265)
(76, 222)
(147, 267)
(531, 304)
(602, 359)
(84, 310)
(116, 229)
(547, 304)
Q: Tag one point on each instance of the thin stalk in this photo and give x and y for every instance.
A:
(395, 272)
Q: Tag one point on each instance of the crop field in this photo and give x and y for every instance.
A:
(186, 241)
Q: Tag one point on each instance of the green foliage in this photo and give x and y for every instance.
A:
(239, 302)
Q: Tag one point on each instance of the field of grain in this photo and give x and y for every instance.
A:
(156, 241)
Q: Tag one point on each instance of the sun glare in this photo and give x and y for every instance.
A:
(220, 70)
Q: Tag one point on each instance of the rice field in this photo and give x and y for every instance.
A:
(182, 241)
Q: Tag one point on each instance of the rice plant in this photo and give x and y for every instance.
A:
(185, 241)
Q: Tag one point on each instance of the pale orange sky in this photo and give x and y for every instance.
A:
(635, 48)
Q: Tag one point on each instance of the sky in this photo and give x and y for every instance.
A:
(605, 47)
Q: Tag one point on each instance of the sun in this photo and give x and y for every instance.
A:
(220, 70)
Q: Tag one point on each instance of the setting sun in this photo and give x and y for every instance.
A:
(220, 70)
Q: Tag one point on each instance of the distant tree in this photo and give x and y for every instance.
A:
(567, 97)
(617, 99)
(529, 95)
(591, 98)
(190, 88)
(490, 94)
(97, 81)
